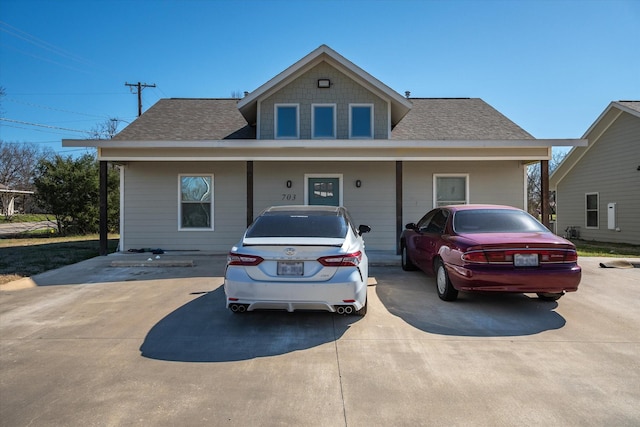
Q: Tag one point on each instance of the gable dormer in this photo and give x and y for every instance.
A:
(323, 96)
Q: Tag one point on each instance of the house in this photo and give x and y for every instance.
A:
(8, 200)
(598, 186)
(195, 172)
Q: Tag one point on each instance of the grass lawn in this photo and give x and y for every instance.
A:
(599, 249)
(26, 256)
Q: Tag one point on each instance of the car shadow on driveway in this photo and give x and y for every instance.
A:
(412, 296)
(204, 331)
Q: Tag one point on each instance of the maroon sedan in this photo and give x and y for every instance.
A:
(490, 248)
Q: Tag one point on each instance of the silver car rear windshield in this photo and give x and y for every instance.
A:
(299, 224)
(495, 221)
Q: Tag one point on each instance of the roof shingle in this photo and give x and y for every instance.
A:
(182, 119)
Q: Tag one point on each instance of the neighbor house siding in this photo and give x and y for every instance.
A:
(609, 168)
(343, 91)
(151, 206)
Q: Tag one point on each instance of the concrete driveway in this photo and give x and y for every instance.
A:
(96, 345)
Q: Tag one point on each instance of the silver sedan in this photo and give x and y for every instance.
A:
(299, 257)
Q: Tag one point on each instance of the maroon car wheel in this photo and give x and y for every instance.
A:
(550, 296)
(406, 263)
(446, 291)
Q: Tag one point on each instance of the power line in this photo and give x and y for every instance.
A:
(40, 125)
(45, 107)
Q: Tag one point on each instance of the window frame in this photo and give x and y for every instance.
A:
(275, 120)
(437, 204)
(371, 117)
(587, 210)
(181, 202)
(313, 121)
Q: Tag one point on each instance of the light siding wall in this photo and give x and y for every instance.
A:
(609, 168)
(151, 206)
(495, 182)
(372, 204)
(342, 92)
(151, 197)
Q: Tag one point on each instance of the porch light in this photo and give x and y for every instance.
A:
(324, 83)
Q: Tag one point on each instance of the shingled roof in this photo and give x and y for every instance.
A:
(633, 105)
(456, 119)
(180, 119)
(184, 119)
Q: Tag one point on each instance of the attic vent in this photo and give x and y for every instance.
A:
(246, 93)
(407, 94)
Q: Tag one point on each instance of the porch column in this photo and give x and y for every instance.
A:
(249, 193)
(399, 226)
(104, 250)
(545, 205)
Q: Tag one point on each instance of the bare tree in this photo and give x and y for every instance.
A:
(104, 130)
(534, 186)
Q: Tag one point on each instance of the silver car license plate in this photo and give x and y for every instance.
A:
(290, 268)
(525, 260)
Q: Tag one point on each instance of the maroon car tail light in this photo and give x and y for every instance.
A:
(475, 257)
(348, 260)
(246, 260)
(506, 256)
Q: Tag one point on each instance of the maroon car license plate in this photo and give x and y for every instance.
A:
(525, 260)
(290, 268)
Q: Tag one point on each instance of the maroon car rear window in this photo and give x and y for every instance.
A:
(495, 221)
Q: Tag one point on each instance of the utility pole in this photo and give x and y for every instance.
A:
(140, 87)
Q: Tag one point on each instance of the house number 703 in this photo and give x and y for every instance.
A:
(289, 196)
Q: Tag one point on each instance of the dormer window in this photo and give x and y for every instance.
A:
(323, 123)
(361, 121)
(287, 121)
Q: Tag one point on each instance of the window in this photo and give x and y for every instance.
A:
(434, 222)
(360, 121)
(591, 203)
(323, 121)
(451, 190)
(287, 121)
(196, 202)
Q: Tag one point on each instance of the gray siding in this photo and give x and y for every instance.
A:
(609, 168)
(497, 182)
(151, 206)
(151, 196)
(372, 204)
(343, 91)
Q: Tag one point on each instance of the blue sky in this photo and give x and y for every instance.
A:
(550, 66)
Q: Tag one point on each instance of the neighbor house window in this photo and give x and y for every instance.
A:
(451, 190)
(323, 121)
(196, 202)
(360, 121)
(591, 203)
(287, 121)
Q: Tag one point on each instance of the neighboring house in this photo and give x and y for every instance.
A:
(8, 199)
(598, 186)
(195, 172)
